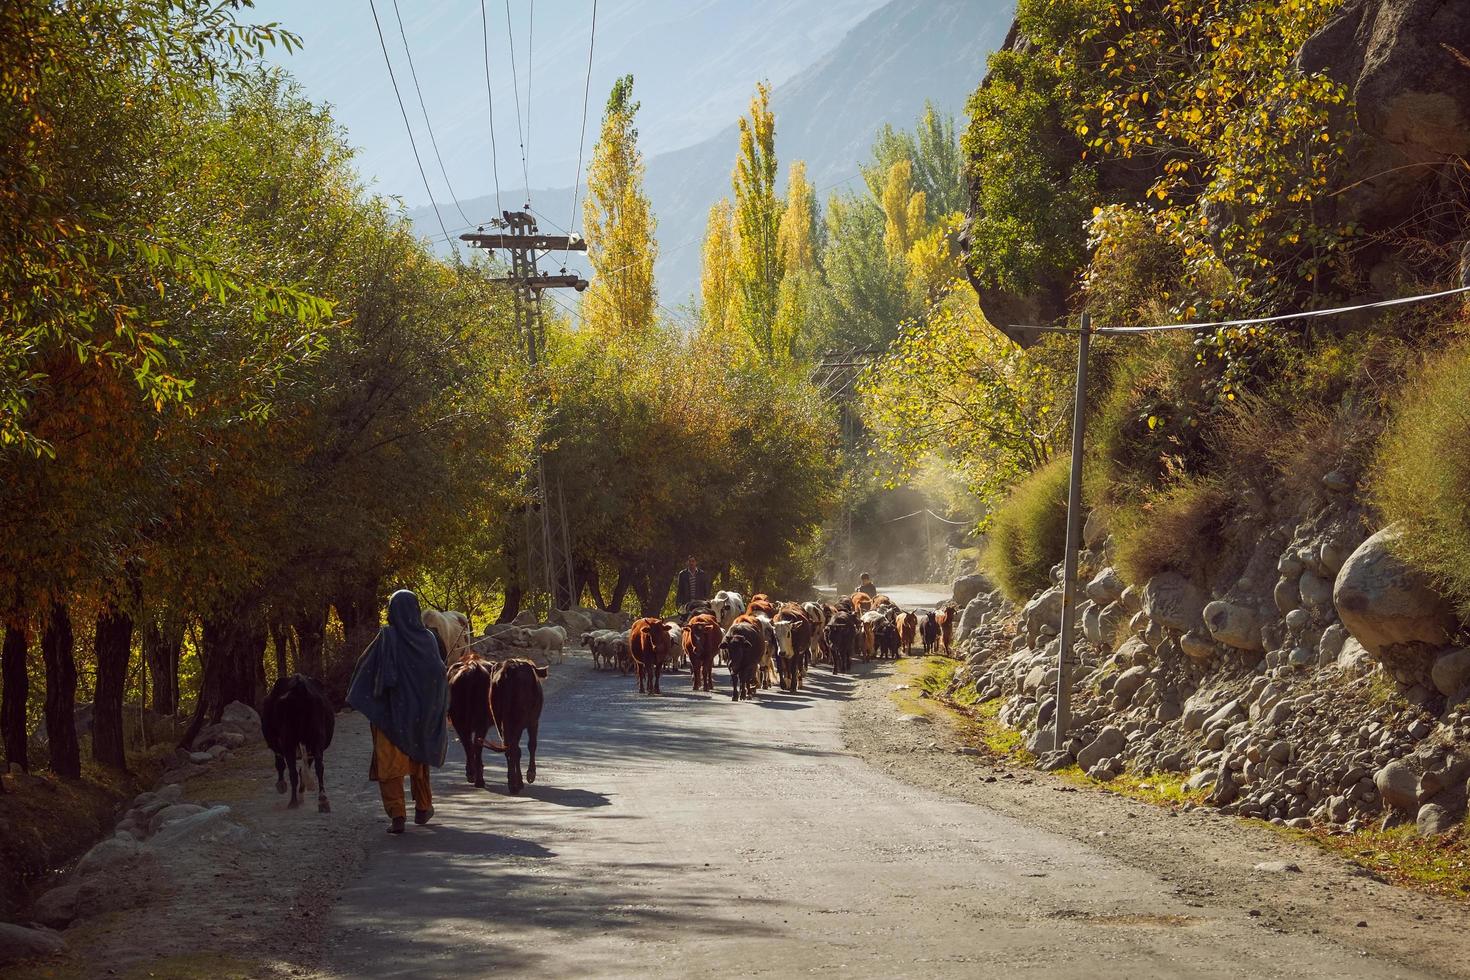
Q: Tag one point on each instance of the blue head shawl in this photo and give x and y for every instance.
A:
(399, 683)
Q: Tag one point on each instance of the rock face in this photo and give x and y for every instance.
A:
(1173, 601)
(1385, 603)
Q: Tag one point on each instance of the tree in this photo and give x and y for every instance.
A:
(621, 300)
(903, 210)
(758, 269)
(796, 240)
(933, 153)
(719, 312)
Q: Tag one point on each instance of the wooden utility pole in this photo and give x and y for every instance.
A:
(549, 574)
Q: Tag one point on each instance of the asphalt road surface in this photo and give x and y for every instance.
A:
(689, 836)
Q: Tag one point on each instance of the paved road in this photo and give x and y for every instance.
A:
(919, 596)
(688, 836)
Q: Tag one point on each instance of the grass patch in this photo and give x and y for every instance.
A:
(1173, 529)
(1438, 865)
(1028, 532)
(997, 737)
(1419, 478)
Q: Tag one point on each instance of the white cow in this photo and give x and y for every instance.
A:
(727, 605)
(452, 628)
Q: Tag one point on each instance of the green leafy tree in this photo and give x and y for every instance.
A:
(758, 270)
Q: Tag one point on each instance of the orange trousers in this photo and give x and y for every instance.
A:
(390, 764)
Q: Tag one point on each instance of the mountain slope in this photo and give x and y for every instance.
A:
(882, 71)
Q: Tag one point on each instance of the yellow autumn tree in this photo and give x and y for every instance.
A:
(757, 218)
(720, 304)
(621, 301)
(796, 244)
(903, 209)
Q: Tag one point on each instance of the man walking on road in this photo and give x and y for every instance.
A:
(693, 584)
(400, 686)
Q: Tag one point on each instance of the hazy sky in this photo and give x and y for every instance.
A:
(695, 64)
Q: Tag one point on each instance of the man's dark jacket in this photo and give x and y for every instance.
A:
(692, 590)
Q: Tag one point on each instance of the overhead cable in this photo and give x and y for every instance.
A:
(422, 176)
(490, 101)
(413, 73)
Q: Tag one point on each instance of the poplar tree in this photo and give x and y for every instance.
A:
(758, 269)
(796, 243)
(621, 301)
(719, 304)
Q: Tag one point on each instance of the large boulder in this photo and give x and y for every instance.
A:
(241, 716)
(1095, 528)
(1233, 624)
(967, 587)
(972, 617)
(1385, 603)
(1106, 586)
(1451, 672)
(1109, 742)
(1398, 784)
(1172, 600)
(17, 943)
(1044, 610)
(1409, 96)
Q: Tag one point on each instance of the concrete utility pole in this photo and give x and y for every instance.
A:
(548, 538)
(1062, 717)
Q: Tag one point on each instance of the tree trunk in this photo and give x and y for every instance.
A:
(17, 682)
(278, 645)
(233, 652)
(358, 608)
(311, 635)
(58, 648)
(620, 590)
(162, 648)
(113, 647)
(512, 606)
(588, 576)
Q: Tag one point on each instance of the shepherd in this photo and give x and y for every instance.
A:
(693, 584)
(400, 687)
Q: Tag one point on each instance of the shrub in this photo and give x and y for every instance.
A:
(1028, 533)
(1173, 529)
(1421, 478)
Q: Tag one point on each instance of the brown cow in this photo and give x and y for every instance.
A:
(702, 636)
(648, 644)
(946, 618)
(469, 712)
(862, 602)
(761, 605)
(515, 705)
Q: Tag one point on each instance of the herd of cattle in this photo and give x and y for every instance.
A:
(765, 643)
(762, 642)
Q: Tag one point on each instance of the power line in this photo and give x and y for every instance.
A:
(515, 81)
(490, 100)
(413, 73)
(1250, 321)
(530, 71)
(582, 140)
(422, 176)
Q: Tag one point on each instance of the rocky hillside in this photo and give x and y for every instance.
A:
(1273, 611)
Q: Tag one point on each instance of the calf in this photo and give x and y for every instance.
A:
(469, 713)
(297, 714)
(842, 637)
(744, 647)
(648, 645)
(929, 632)
(867, 641)
(515, 706)
(861, 601)
(701, 642)
(946, 620)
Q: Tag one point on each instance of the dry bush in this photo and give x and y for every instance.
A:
(1174, 529)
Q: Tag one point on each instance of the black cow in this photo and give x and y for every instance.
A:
(744, 645)
(842, 637)
(885, 639)
(929, 632)
(515, 703)
(298, 714)
(469, 713)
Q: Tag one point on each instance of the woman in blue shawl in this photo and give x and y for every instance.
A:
(399, 684)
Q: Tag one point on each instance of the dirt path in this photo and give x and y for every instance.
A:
(691, 836)
(1203, 860)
